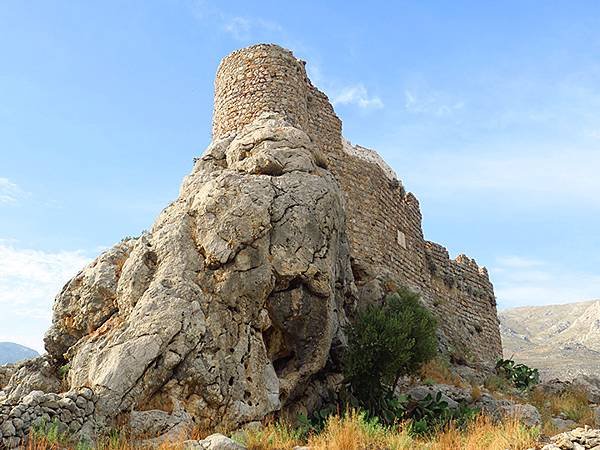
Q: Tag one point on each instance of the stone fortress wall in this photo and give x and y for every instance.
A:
(383, 220)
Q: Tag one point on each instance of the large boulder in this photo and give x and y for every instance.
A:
(233, 301)
(590, 385)
(500, 409)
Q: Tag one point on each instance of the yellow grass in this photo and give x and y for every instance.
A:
(275, 436)
(438, 370)
(475, 392)
(354, 432)
(573, 403)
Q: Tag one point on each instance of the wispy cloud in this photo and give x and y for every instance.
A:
(565, 176)
(594, 134)
(430, 103)
(240, 28)
(522, 281)
(29, 281)
(358, 95)
(10, 192)
(244, 28)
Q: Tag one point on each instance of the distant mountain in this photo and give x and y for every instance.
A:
(11, 352)
(562, 341)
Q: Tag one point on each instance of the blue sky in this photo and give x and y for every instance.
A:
(488, 112)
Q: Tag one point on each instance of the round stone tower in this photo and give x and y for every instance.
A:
(266, 77)
(256, 79)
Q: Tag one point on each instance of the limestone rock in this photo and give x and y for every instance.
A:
(418, 393)
(6, 373)
(563, 424)
(214, 442)
(577, 439)
(591, 386)
(499, 409)
(162, 424)
(231, 303)
(35, 374)
(527, 414)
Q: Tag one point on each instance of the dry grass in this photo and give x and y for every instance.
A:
(351, 432)
(475, 392)
(354, 433)
(484, 434)
(274, 436)
(439, 371)
(497, 384)
(573, 403)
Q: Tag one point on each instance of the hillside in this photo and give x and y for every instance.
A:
(560, 340)
(11, 352)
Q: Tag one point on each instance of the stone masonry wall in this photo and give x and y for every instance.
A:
(383, 220)
(70, 412)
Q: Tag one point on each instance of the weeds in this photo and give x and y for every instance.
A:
(572, 404)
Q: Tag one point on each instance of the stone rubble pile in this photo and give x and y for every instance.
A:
(577, 439)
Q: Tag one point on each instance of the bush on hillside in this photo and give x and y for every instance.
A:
(520, 375)
(385, 343)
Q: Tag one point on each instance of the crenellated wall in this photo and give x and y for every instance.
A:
(383, 220)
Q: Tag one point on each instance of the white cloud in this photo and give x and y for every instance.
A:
(565, 176)
(10, 193)
(29, 281)
(243, 28)
(521, 281)
(430, 103)
(240, 28)
(356, 95)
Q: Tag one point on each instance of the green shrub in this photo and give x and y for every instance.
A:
(431, 414)
(384, 343)
(520, 375)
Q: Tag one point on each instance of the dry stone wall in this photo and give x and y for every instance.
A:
(383, 220)
(70, 412)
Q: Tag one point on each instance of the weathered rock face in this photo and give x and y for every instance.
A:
(231, 302)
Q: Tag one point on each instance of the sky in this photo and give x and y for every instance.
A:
(487, 111)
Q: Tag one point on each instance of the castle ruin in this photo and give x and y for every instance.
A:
(383, 220)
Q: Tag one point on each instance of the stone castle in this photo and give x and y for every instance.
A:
(383, 220)
(232, 308)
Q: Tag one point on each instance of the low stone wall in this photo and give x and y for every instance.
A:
(71, 412)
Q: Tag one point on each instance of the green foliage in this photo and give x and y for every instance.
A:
(50, 432)
(63, 371)
(431, 414)
(384, 343)
(520, 375)
(316, 422)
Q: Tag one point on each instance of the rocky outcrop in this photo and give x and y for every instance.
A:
(39, 374)
(231, 303)
(6, 373)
